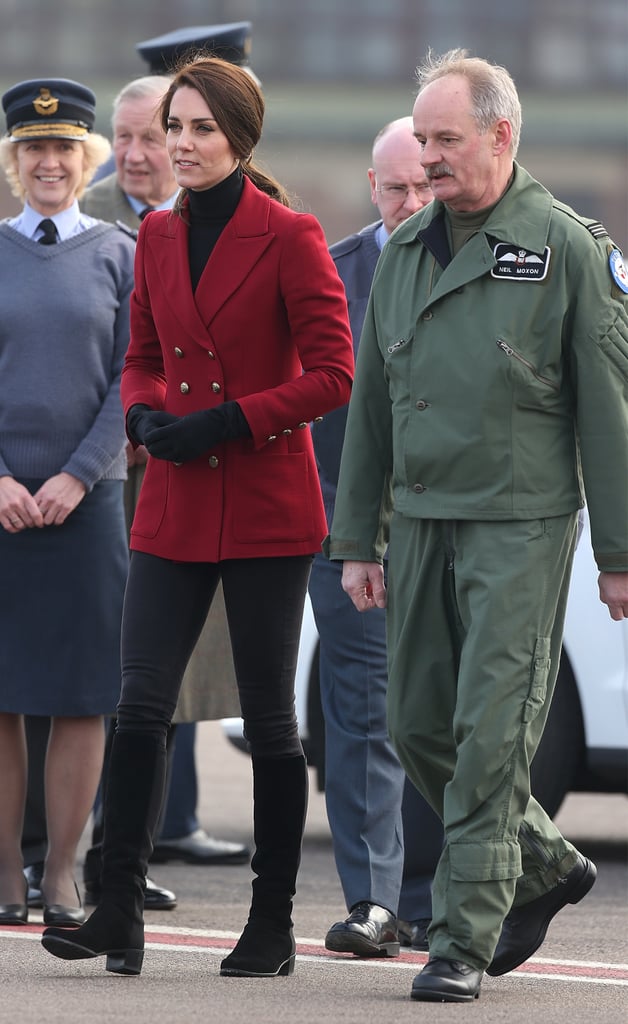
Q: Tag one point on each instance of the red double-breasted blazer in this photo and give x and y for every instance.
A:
(268, 327)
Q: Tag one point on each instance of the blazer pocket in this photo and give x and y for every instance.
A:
(274, 498)
(151, 505)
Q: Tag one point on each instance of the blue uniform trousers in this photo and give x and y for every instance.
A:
(365, 786)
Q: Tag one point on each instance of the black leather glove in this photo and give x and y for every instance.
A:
(192, 435)
(141, 418)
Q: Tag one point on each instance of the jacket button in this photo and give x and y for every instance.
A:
(418, 488)
(216, 387)
(271, 437)
(287, 432)
(210, 354)
(302, 426)
(178, 352)
(421, 405)
(213, 461)
(184, 388)
(318, 419)
(427, 315)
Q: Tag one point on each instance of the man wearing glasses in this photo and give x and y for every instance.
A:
(371, 806)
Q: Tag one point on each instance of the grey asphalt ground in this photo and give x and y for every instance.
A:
(580, 974)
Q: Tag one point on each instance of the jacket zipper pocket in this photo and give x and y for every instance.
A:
(397, 345)
(509, 351)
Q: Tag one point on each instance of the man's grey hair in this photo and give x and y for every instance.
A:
(142, 88)
(493, 91)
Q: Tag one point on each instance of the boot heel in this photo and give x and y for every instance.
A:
(287, 967)
(126, 961)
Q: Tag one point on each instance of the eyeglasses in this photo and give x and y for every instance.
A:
(400, 192)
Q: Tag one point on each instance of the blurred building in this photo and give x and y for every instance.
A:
(565, 44)
(334, 71)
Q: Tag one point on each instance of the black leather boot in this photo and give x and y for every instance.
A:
(133, 801)
(266, 947)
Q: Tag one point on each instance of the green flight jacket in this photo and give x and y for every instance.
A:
(492, 385)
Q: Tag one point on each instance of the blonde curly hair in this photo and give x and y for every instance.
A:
(96, 149)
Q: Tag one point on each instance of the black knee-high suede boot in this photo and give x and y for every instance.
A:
(134, 796)
(266, 947)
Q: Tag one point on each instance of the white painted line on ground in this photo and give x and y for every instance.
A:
(214, 942)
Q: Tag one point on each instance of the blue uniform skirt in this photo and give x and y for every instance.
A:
(61, 593)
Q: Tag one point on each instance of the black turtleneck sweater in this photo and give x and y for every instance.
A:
(210, 210)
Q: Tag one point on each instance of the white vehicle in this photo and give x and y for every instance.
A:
(585, 742)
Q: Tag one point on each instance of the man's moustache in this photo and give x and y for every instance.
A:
(442, 170)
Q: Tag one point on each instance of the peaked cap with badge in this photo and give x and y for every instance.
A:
(230, 41)
(49, 108)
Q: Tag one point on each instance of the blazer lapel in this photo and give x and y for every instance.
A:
(169, 247)
(238, 249)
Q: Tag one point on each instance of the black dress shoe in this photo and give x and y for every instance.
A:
(446, 981)
(33, 874)
(199, 848)
(368, 931)
(155, 898)
(525, 927)
(413, 934)
(64, 917)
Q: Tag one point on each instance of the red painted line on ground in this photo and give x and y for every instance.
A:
(610, 972)
(569, 970)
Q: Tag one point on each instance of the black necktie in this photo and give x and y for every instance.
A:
(49, 229)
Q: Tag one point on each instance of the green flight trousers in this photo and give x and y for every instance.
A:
(475, 619)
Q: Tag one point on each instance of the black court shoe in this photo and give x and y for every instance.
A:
(62, 916)
(15, 913)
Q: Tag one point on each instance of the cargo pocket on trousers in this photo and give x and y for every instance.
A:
(490, 861)
(541, 663)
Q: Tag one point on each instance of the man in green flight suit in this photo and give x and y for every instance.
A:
(489, 399)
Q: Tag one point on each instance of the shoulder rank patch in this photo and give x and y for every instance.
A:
(517, 264)
(619, 273)
(597, 229)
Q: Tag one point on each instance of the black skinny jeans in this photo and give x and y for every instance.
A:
(165, 606)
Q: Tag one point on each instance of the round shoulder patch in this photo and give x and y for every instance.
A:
(619, 273)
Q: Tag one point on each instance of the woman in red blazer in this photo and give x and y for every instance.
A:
(239, 338)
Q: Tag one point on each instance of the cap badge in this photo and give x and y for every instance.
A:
(45, 104)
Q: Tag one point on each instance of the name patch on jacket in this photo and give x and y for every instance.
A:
(517, 264)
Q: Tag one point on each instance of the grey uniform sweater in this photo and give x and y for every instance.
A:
(64, 331)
